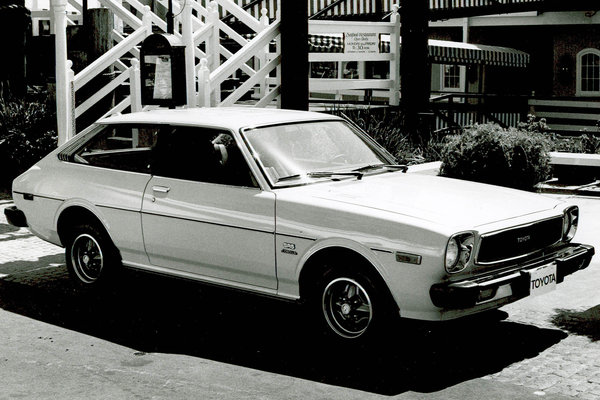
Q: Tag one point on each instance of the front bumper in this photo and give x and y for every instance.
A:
(15, 217)
(478, 290)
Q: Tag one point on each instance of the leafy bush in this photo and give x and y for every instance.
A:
(27, 133)
(488, 153)
(584, 142)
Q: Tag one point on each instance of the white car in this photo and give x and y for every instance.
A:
(295, 205)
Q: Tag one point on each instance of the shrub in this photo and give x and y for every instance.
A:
(488, 153)
(584, 142)
(27, 133)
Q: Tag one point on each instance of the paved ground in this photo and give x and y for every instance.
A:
(157, 338)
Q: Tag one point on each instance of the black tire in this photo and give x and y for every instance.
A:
(91, 256)
(353, 306)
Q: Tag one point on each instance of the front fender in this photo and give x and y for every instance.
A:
(294, 253)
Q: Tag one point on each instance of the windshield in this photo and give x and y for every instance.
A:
(296, 153)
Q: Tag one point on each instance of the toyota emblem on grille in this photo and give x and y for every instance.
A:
(524, 239)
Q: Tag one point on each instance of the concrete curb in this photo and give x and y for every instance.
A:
(554, 187)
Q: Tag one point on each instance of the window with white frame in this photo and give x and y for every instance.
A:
(588, 72)
(452, 78)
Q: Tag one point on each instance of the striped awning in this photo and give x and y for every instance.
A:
(446, 52)
(333, 43)
(440, 51)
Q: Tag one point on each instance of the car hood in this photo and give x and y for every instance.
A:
(445, 201)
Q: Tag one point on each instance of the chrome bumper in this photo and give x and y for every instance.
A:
(473, 291)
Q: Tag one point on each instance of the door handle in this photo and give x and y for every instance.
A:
(161, 189)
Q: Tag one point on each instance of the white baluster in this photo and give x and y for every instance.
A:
(395, 62)
(263, 55)
(70, 112)
(213, 50)
(59, 8)
(135, 86)
(147, 20)
(190, 60)
(204, 84)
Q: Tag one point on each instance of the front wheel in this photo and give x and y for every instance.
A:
(90, 255)
(354, 306)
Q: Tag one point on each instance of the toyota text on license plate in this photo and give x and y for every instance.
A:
(542, 279)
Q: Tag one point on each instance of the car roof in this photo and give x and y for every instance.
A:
(233, 118)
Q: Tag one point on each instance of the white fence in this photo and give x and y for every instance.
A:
(367, 48)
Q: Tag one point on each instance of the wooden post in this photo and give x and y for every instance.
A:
(101, 23)
(294, 54)
(415, 68)
(59, 12)
(97, 41)
(15, 27)
(379, 9)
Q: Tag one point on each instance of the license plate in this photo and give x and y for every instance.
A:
(542, 279)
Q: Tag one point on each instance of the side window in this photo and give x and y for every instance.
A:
(201, 155)
(588, 72)
(453, 77)
(122, 147)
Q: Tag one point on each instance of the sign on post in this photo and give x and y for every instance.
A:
(361, 43)
(162, 71)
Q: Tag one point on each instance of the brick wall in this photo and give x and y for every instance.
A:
(568, 41)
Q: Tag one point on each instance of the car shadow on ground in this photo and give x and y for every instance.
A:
(584, 323)
(156, 314)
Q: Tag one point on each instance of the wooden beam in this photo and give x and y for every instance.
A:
(495, 7)
(415, 69)
(294, 55)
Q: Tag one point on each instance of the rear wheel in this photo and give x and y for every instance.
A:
(90, 254)
(353, 306)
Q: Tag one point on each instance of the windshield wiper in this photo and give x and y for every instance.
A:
(403, 168)
(329, 174)
(289, 177)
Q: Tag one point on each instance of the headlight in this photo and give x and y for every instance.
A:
(452, 254)
(458, 252)
(570, 222)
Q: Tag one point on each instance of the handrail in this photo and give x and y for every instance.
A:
(117, 37)
(100, 94)
(108, 58)
(230, 66)
(122, 13)
(241, 14)
(232, 33)
(76, 5)
(245, 7)
(326, 9)
(122, 106)
(250, 82)
(269, 97)
(227, 54)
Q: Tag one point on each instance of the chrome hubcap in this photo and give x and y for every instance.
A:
(86, 258)
(347, 307)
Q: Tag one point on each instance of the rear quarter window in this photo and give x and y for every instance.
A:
(121, 147)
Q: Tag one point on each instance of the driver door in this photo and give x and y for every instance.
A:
(203, 213)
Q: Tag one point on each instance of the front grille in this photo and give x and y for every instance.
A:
(519, 241)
